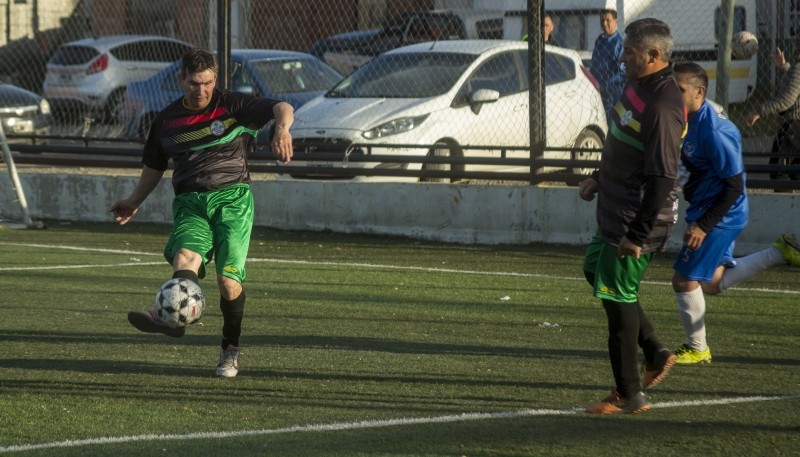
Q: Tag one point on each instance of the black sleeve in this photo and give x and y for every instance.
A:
(734, 186)
(153, 155)
(656, 192)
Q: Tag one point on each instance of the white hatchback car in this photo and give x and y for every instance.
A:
(90, 75)
(448, 95)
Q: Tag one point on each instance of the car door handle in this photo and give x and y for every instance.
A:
(521, 108)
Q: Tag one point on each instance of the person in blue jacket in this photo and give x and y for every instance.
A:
(606, 64)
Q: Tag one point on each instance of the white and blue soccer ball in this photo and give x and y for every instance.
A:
(180, 302)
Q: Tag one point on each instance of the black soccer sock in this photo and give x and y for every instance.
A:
(623, 335)
(232, 313)
(186, 274)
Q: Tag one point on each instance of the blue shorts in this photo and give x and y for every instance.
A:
(716, 250)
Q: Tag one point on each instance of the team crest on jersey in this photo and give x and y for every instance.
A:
(217, 128)
(626, 117)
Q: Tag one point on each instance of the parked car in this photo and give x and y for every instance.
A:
(348, 51)
(293, 77)
(89, 76)
(23, 112)
(449, 94)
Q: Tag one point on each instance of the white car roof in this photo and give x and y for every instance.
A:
(477, 47)
(115, 40)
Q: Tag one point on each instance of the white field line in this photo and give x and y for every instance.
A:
(338, 264)
(371, 424)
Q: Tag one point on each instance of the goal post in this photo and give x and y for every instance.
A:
(24, 221)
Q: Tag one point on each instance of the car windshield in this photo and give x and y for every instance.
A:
(405, 75)
(285, 76)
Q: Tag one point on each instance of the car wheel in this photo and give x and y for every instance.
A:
(144, 126)
(443, 149)
(588, 139)
(114, 106)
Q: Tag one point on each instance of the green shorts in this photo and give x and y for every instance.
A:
(614, 278)
(215, 224)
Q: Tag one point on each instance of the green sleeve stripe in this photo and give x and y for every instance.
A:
(227, 138)
(625, 138)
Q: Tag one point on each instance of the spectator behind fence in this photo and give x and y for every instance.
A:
(547, 30)
(606, 64)
(786, 146)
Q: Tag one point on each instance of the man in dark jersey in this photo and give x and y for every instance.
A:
(636, 209)
(207, 134)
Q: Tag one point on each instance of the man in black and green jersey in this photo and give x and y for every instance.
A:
(636, 209)
(207, 134)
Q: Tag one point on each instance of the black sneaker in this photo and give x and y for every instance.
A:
(148, 322)
(615, 404)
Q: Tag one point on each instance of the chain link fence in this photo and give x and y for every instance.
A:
(440, 98)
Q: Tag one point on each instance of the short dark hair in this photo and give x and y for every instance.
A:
(650, 33)
(696, 73)
(197, 61)
(610, 11)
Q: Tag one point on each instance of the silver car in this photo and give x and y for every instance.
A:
(89, 76)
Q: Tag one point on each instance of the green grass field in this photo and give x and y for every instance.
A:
(367, 346)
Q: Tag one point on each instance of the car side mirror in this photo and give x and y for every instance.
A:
(481, 96)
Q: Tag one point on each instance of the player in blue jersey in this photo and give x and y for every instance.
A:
(718, 212)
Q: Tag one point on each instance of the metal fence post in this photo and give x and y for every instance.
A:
(223, 44)
(536, 101)
(724, 55)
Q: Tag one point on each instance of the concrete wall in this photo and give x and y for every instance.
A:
(451, 213)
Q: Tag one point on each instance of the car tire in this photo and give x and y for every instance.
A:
(144, 126)
(114, 105)
(443, 149)
(588, 139)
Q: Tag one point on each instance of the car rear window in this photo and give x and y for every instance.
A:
(73, 55)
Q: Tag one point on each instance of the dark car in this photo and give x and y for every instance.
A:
(348, 51)
(23, 112)
(293, 77)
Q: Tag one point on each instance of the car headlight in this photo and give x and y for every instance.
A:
(44, 106)
(403, 124)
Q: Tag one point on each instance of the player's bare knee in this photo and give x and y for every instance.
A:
(187, 260)
(229, 288)
(712, 288)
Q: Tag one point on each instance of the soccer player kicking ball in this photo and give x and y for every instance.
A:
(717, 214)
(207, 134)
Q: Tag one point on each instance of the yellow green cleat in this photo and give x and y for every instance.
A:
(686, 355)
(787, 244)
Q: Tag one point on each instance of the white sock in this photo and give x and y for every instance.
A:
(692, 311)
(751, 265)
